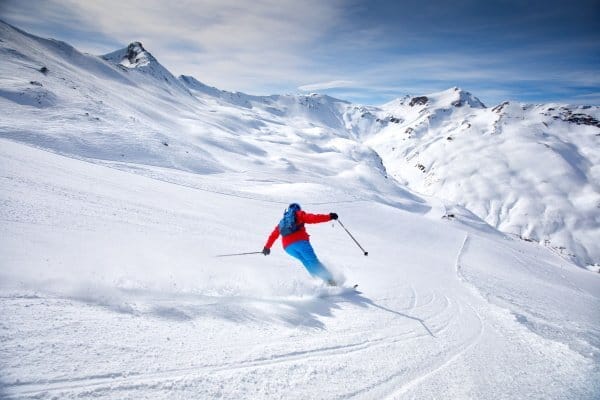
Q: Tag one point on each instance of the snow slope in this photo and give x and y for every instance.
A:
(119, 186)
(111, 289)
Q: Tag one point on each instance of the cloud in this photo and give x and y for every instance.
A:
(326, 85)
(52, 19)
(588, 98)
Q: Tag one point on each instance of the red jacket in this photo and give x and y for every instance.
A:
(301, 234)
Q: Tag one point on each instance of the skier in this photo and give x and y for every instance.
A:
(295, 240)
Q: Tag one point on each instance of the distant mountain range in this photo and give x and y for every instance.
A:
(532, 171)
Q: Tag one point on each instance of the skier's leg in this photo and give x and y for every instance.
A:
(294, 251)
(309, 259)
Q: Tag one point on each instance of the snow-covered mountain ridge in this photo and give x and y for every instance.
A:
(528, 170)
(136, 59)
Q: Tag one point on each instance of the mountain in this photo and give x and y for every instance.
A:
(528, 170)
(135, 59)
(126, 107)
(126, 195)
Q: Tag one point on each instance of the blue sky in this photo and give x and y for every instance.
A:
(367, 52)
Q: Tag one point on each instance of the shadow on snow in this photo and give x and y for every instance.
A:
(302, 311)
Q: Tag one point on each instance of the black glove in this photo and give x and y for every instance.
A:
(266, 251)
(333, 216)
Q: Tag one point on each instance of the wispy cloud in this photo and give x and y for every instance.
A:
(326, 85)
(232, 44)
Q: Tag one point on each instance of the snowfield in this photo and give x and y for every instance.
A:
(120, 185)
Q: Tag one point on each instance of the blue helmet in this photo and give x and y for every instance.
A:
(294, 206)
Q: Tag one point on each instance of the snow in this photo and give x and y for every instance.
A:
(111, 223)
(525, 169)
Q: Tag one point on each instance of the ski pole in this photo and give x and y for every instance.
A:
(366, 253)
(239, 254)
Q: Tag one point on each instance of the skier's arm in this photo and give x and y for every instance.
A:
(272, 237)
(308, 218)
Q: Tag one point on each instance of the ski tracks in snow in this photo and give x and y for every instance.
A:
(451, 340)
(442, 363)
(437, 310)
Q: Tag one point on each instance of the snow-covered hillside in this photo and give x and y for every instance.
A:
(529, 170)
(137, 115)
(120, 184)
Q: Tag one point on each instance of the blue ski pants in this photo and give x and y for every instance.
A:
(303, 251)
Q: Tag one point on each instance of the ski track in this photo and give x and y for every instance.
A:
(382, 387)
(447, 362)
(441, 313)
(388, 387)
